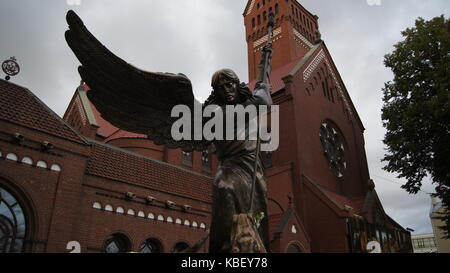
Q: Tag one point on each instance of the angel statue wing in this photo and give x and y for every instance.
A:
(129, 98)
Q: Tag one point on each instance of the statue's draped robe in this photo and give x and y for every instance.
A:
(232, 189)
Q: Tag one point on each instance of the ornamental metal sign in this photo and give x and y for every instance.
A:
(10, 68)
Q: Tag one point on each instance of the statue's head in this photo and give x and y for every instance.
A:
(225, 83)
(227, 89)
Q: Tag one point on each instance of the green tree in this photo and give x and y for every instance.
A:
(416, 110)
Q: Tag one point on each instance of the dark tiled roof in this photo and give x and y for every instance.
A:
(352, 205)
(120, 165)
(21, 106)
(355, 204)
(279, 222)
(124, 134)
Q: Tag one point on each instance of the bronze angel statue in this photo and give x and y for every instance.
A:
(141, 102)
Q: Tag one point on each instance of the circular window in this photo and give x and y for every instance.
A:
(151, 246)
(12, 224)
(333, 147)
(117, 243)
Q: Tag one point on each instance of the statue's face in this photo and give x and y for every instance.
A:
(227, 90)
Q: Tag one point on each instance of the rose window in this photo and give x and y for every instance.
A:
(333, 147)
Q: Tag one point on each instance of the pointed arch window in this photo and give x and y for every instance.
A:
(324, 90)
(328, 89)
(332, 94)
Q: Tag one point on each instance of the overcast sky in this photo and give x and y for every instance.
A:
(197, 37)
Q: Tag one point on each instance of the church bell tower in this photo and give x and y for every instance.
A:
(296, 31)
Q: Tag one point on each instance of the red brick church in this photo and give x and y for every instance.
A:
(78, 183)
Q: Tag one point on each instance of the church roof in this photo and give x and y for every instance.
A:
(20, 106)
(353, 205)
(347, 206)
(117, 164)
(279, 222)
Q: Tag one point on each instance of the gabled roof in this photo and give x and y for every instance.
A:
(342, 205)
(279, 222)
(117, 164)
(346, 93)
(357, 206)
(20, 106)
(120, 133)
(298, 66)
(352, 205)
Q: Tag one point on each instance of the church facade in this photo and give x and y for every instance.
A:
(78, 183)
